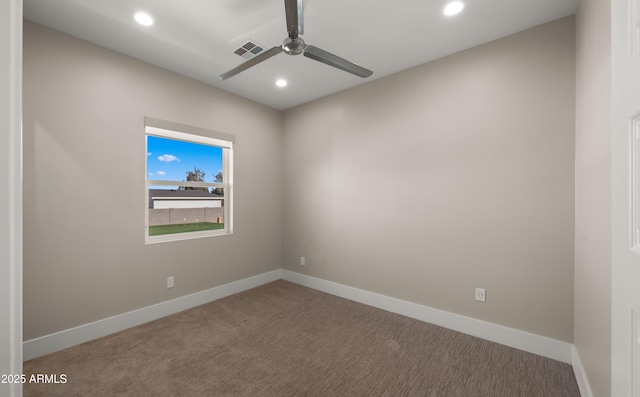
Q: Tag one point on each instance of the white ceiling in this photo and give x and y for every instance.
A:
(196, 38)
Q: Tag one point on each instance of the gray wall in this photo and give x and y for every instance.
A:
(474, 153)
(593, 193)
(84, 109)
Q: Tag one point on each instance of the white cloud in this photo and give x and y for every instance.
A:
(151, 174)
(167, 158)
(161, 173)
(149, 153)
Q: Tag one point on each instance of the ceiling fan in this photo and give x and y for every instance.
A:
(294, 45)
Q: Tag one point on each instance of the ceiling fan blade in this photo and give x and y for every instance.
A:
(292, 10)
(251, 62)
(328, 58)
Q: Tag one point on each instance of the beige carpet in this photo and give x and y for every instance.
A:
(282, 339)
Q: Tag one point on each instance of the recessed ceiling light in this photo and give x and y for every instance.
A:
(453, 8)
(143, 19)
(281, 82)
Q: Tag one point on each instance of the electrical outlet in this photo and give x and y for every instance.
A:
(170, 282)
(303, 262)
(481, 295)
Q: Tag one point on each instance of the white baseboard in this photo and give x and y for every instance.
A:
(540, 345)
(581, 375)
(61, 340)
(532, 343)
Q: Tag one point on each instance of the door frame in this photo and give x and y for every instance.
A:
(11, 193)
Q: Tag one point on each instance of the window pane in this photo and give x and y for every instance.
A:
(183, 209)
(174, 160)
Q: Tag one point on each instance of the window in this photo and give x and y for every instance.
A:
(188, 182)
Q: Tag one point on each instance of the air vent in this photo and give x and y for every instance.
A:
(249, 49)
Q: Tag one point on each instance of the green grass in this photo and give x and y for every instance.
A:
(183, 228)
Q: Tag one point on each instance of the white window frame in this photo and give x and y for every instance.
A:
(171, 130)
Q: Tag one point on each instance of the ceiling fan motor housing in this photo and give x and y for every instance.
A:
(293, 46)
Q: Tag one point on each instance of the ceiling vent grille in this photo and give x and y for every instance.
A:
(249, 49)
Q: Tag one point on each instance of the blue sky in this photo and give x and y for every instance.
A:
(169, 159)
